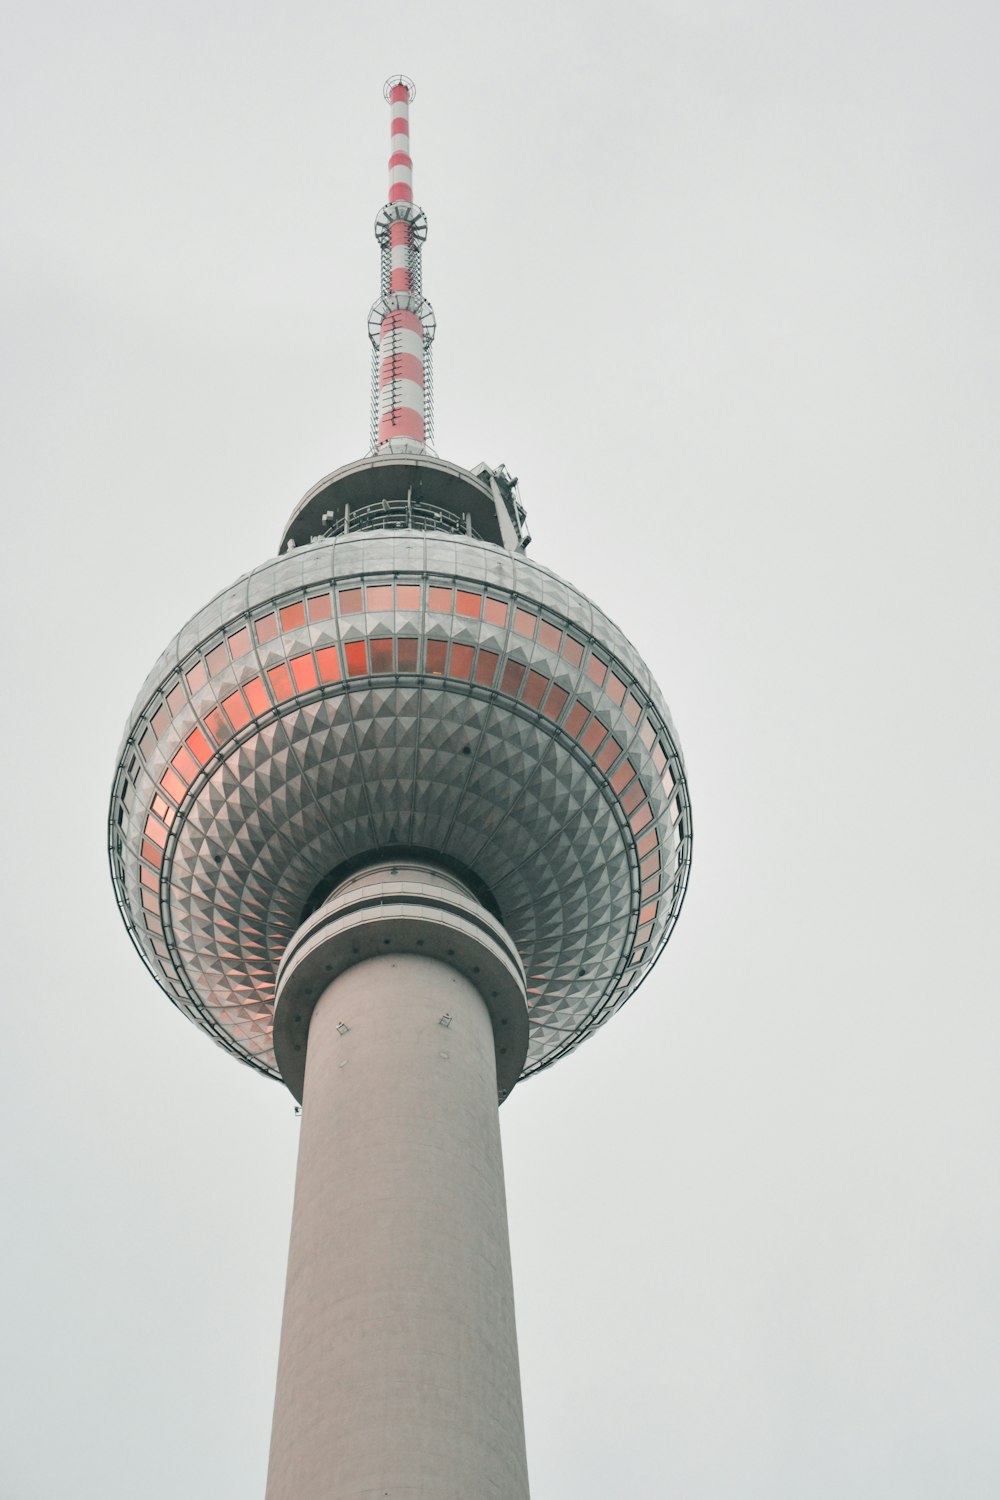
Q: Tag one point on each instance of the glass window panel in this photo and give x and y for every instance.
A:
(236, 710)
(647, 734)
(634, 795)
(646, 843)
(160, 721)
(437, 653)
(152, 854)
(575, 719)
(609, 753)
(513, 674)
(218, 725)
(667, 781)
(293, 615)
(199, 746)
(555, 702)
(638, 820)
(525, 622)
(649, 865)
(573, 650)
(162, 809)
(439, 600)
(319, 607)
(239, 644)
(216, 659)
(148, 878)
(304, 672)
(378, 595)
(266, 628)
(149, 900)
(495, 611)
(615, 688)
(461, 661)
(486, 668)
(659, 757)
(643, 936)
(329, 663)
(597, 670)
(593, 735)
(675, 812)
(650, 887)
(623, 775)
(349, 601)
(197, 677)
(155, 830)
(172, 785)
(647, 914)
(406, 653)
(256, 695)
(468, 604)
(407, 595)
(381, 649)
(176, 700)
(356, 655)
(534, 689)
(632, 709)
(549, 636)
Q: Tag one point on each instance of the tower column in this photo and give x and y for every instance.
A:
(398, 1371)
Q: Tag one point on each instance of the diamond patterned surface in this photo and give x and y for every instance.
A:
(254, 764)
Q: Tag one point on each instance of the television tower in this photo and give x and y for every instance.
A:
(399, 819)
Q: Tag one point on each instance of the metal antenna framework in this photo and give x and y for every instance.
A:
(401, 324)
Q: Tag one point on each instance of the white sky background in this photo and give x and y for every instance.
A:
(719, 282)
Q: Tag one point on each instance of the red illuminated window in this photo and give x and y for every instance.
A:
(609, 753)
(256, 695)
(638, 820)
(163, 810)
(175, 700)
(623, 775)
(486, 668)
(319, 607)
(155, 830)
(304, 672)
(615, 688)
(525, 622)
(534, 689)
(597, 670)
(199, 746)
(266, 628)
(408, 596)
(239, 644)
(513, 672)
(292, 616)
(152, 854)
(495, 611)
(632, 709)
(349, 601)
(461, 661)
(148, 878)
(573, 650)
(379, 596)
(633, 797)
(172, 785)
(406, 653)
(555, 702)
(237, 710)
(281, 683)
(356, 655)
(381, 649)
(197, 677)
(646, 843)
(593, 735)
(329, 663)
(185, 764)
(437, 652)
(468, 604)
(216, 659)
(647, 914)
(549, 636)
(575, 719)
(439, 600)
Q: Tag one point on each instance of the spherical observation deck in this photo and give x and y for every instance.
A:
(379, 692)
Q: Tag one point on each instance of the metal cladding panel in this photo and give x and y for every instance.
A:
(386, 690)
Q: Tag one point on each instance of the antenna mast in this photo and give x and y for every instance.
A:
(401, 323)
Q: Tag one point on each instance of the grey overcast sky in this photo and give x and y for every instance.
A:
(718, 281)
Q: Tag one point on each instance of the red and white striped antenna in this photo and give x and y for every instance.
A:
(401, 323)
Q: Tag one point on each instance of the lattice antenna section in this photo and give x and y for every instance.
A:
(401, 323)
